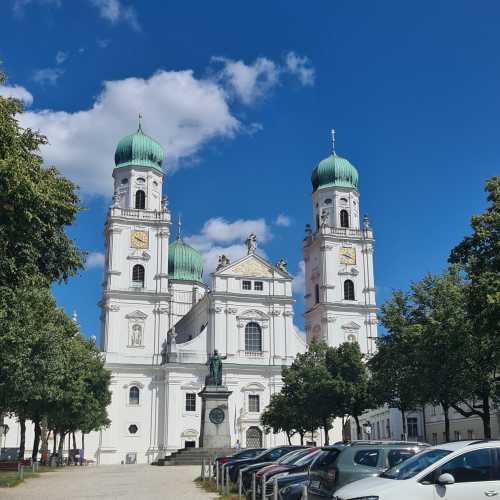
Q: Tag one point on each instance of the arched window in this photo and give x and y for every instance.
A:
(348, 290)
(254, 438)
(140, 199)
(344, 218)
(253, 337)
(133, 395)
(138, 276)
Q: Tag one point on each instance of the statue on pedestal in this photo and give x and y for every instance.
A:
(215, 366)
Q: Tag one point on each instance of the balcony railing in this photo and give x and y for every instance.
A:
(135, 213)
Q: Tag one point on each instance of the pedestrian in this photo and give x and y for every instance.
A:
(237, 445)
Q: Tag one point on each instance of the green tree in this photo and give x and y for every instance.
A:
(479, 257)
(36, 205)
(347, 366)
(394, 369)
(308, 382)
(439, 307)
(285, 414)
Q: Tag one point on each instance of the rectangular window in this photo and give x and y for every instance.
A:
(190, 402)
(253, 403)
(456, 435)
(412, 426)
(434, 438)
(258, 285)
(388, 429)
(247, 285)
(470, 434)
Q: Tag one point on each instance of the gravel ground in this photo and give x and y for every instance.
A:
(124, 482)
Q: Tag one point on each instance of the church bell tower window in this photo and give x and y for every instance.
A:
(348, 290)
(140, 199)
(344, 218)
(138, 276)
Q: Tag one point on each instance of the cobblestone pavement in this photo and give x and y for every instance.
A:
(109, 482)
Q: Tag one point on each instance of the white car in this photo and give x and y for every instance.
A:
(464, 470)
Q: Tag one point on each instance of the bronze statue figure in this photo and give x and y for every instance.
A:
(215, 366)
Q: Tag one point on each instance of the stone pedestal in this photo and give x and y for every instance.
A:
(215, 417)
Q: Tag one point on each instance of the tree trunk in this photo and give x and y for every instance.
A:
(22, 440)
(301, 438)
(289, 438)
(446, 411)
(36, 441)
(403, 417)
(54, 447)
(326, 428)
(82, 452)
(45, 441)
(61, 447)
(359, 433)
(486, 417)
(74, 441)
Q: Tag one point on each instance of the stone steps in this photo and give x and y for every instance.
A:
(194, 456)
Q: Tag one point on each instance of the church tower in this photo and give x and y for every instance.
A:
(338, 256)
(135, 298)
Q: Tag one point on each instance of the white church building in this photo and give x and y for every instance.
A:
(160, 320)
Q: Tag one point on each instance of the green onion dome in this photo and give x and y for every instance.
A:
(334, 171)
(184, 262)
(139, 150)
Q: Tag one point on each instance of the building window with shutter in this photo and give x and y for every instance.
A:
(253, 403)
(190, 402)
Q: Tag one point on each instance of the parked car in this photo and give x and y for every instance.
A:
(269, 455)
(294, 490)
(245, 453)
(248, 471)
(463, 470)
(292, 463)
(344, 464)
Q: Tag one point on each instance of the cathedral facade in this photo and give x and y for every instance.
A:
(160, 321)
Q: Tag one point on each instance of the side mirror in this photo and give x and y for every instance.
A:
(445, 479)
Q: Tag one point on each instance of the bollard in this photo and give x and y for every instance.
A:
(217, 476)
(304, 492)
(20, 472)
(221, 476)
(203, 469)
(254, 486)
(263, 487)
(275, 488)
(227, 481)
(240, 483)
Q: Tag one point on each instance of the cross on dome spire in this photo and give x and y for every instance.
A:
(333, 140)
(139, 129)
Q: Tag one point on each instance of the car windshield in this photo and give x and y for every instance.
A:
(415, 464)
(290, 458)
(307, 458)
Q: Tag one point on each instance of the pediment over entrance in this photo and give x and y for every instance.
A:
(250, 266)
(351, 326)
(136, 315)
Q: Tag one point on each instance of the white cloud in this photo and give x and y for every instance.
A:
(47, 76)
(114, 11)
(248, 82)
(301, 67)
(17, 93)
(251, 82)
(180, 111)
(102, 43)
(283, 220)
(94, 260)
(61, 56)
(218, 236)
(299, 279)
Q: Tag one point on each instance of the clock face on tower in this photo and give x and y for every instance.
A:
(139, 239)
(348, 256)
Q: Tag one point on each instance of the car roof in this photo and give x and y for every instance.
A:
(377, 443)
(458, 445)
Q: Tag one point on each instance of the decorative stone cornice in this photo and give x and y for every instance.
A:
(275, 312)
(287, 314)
(231, 310)
(112, 307)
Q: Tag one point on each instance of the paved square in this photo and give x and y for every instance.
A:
(134, 482)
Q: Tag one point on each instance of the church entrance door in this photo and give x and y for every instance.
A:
(254, 438)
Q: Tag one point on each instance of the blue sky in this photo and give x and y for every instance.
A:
(243, 96)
